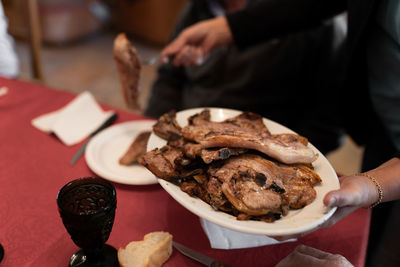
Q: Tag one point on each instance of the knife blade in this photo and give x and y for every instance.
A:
(105, 124)
(197, 256)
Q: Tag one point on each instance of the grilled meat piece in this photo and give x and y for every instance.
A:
(169, 163)
(246, 131)
(162, 162)
(298, 184)
(250, 121)
(128, 66)
(167, 127)
(210, 155)
(258, 186)
(191, 188)
(200, 118)
(178, 142)
(207, 189)
(250, 198)
(136, 149)
(218, 201)
(192, 150)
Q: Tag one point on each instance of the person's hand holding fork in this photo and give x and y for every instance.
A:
(196, 42)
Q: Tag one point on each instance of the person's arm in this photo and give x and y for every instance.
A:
(197, 41)
(166, 91)
(360, 191)
(274, 18)
(257, 23)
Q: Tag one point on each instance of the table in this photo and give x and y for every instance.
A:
(34, 166)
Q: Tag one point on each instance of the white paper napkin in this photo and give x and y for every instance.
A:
(75, 121)
(224, 238)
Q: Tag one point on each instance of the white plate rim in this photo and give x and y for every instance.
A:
(277, 228)
(131, 175)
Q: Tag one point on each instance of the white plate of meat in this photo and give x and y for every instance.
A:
(105, 151)
(241, 171)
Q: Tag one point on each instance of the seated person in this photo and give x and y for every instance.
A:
(286, 80)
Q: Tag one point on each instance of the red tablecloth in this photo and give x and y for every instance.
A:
(34, 166)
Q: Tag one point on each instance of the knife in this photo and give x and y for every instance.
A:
(105, 124)
(205, 260)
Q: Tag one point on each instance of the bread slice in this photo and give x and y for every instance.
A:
(152, 251)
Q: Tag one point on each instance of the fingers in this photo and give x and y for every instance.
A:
(202, 37)
(328, 259)
(316, 253)
(178, 48)
(189, 55)
(354, 191)
(339, 198)
(299, 259)
(182, 56)
(192, 36)
(353, 194)
(330, 198)
(307, 256)
(172, 49)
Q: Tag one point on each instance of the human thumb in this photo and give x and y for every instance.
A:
(330, 199)
(338, 198)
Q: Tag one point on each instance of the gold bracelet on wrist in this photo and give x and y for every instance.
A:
(378, 186)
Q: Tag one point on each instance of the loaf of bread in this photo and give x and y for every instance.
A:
(152, 251)
(128, 67)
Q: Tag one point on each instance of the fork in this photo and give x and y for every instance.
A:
(150, 61)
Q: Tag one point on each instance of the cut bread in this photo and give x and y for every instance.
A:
(152, 251)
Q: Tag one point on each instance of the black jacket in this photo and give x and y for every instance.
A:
(273, 18)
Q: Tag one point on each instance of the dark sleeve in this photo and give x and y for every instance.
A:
(166, 92)
(275, 18)
(397, 155)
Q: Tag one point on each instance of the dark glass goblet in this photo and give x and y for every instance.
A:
(87, 209)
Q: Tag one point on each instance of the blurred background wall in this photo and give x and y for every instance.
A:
(63, 21)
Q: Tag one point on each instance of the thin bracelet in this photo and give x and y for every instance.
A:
(378, 186)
